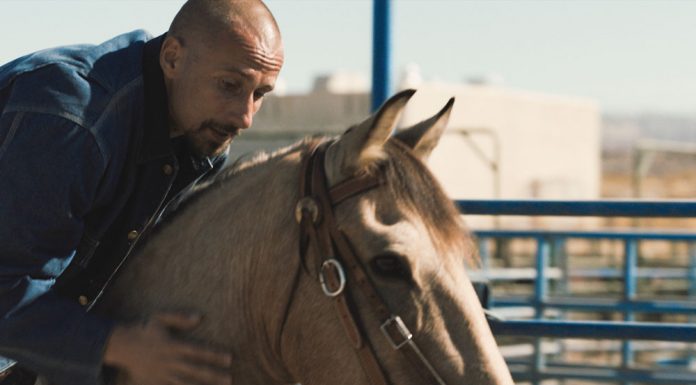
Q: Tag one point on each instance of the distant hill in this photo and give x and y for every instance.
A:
(620, 132)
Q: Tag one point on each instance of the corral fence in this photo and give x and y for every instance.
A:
(613, 306)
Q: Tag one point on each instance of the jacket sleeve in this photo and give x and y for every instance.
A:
(50, 169)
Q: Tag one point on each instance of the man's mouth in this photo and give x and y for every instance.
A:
(224, 133)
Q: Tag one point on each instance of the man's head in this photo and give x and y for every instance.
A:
(219, 59)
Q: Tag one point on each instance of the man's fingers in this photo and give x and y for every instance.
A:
(179, 321)
(202, 375)
(205, 356)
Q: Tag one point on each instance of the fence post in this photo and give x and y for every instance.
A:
(540, 295)
(484, 254)
(381, 52)
(559, 259)
(559, 256)
(692, 295)
(629, 294)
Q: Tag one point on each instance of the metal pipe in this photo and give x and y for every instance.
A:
(630, 267)
(381, 52)
(692, 294)
(599, 208)
(595, 330)
(541, 284)
(587, 304)
(484, 254)
(540, 296)
(601, 374)
(608, 234)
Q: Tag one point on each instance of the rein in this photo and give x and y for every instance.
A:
(318, 229)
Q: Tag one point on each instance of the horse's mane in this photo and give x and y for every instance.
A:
(407, 179)
(412, 185)
(240, 166)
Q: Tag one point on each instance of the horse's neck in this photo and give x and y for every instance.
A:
(271, 241)
(231, 255)
(263, 238)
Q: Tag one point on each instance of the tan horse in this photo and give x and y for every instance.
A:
(233, 254)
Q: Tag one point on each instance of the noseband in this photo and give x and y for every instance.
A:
(339, 267)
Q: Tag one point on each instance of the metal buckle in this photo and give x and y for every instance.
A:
(341, 277)
(309, 205)
(400, 327)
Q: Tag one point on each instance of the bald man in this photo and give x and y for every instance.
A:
(95, 143)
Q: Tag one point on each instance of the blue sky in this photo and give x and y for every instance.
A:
(630, 56)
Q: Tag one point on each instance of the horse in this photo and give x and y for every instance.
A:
(332, 261)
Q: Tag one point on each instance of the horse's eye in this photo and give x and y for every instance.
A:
(390, 265)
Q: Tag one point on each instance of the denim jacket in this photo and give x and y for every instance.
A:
(86, 166)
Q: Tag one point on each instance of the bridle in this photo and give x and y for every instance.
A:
(315, 214)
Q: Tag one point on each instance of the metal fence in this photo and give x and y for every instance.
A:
(548, 323)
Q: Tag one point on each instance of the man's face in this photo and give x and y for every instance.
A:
(216, 87)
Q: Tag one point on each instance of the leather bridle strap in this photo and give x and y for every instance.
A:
(311, 212)
(314, 212)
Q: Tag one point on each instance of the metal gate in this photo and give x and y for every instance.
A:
(640, 338)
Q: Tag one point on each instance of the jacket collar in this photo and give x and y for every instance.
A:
(156, 142)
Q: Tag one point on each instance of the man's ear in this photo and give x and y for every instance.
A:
(171, 56)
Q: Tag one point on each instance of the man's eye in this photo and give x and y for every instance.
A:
(228, 86)
(259, 95)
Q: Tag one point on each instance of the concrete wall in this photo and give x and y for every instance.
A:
(318, 112)
(548, 146)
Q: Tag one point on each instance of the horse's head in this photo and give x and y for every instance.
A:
(406, 236)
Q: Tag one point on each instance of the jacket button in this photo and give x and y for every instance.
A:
(133, 235)
(83, 300)
(167, 169)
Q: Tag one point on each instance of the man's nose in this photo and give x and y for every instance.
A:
(243, 111)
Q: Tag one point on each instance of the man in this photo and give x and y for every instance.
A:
(95, 141)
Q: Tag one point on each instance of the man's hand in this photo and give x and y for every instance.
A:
(151, 355)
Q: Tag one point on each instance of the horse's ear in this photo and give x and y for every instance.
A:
(361, 145)
(424, 136)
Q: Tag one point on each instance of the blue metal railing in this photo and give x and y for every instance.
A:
(603, 208)
(381, 52)
(628, 305)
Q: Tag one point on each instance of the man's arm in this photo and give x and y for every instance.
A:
(49, 172)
